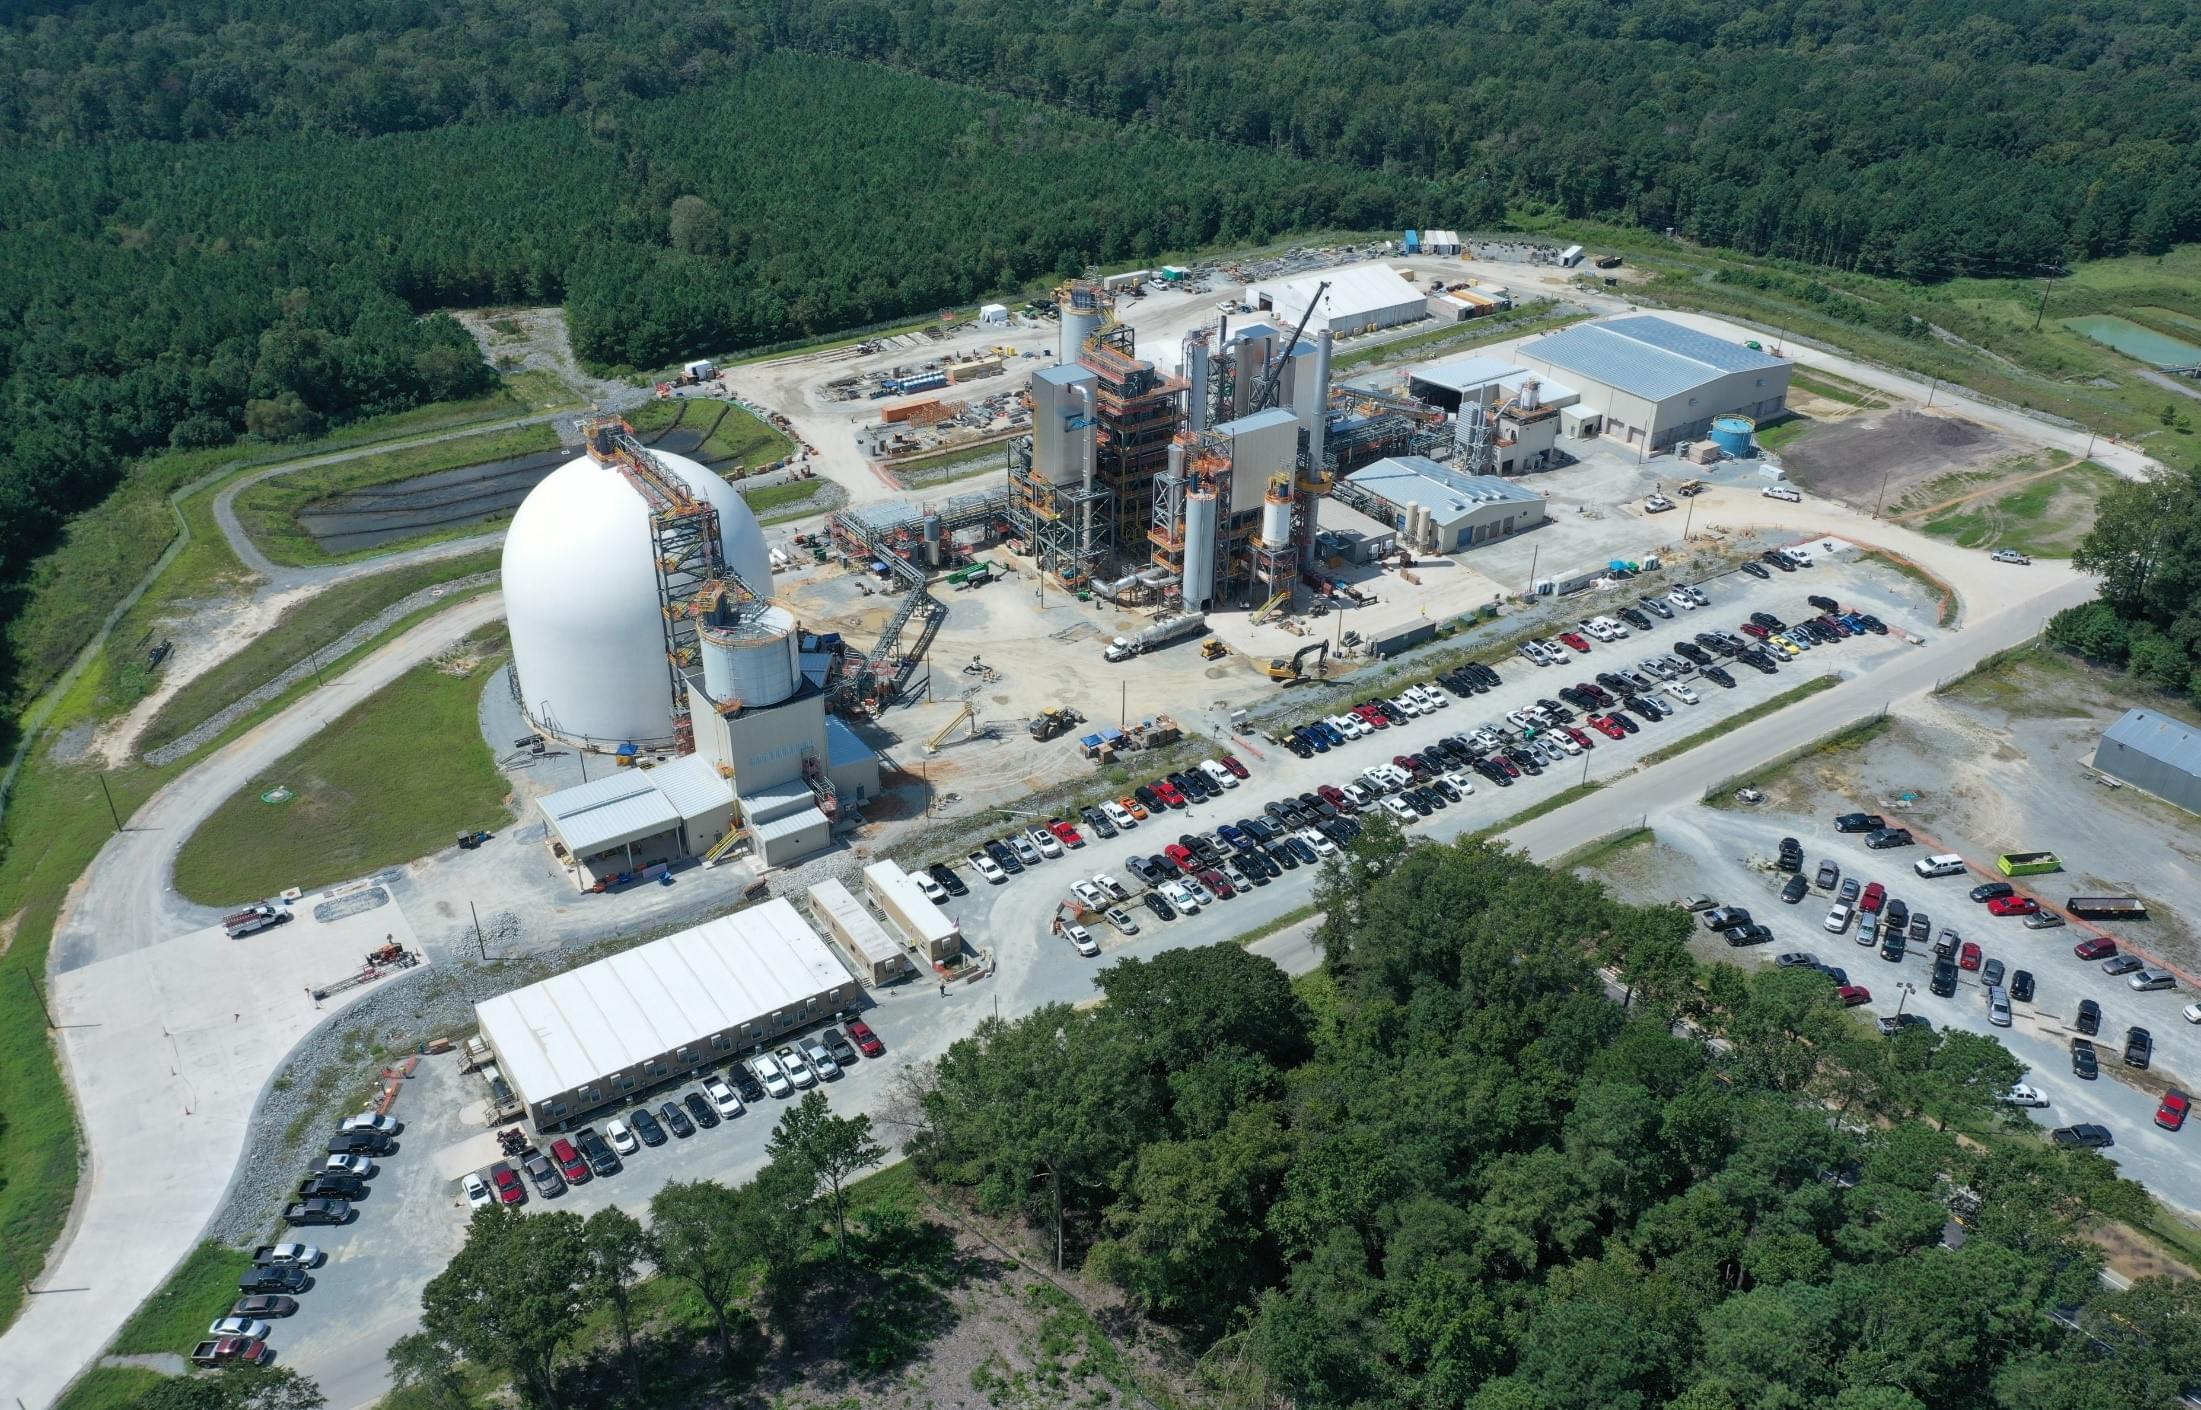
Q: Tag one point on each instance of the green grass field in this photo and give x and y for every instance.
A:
(2044, 518)
(749, 440)
(1785, 432)
(308, 626)
(391, 780)
(176, 1317)
(1759, 711)
(269, 509)
(110, 1388)
(780, 504)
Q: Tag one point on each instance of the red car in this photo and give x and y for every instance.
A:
(1580, 736)
(1167, 792)
(507, 1181)
(1968, 957)
(1331, 794)
(1230, 761)
(1874, 898)
(1064, 833)
(2013, 906)
(1608, 727)
(1411, 764)
(569, 1161)
(866, 1041)
(1574, 641)
(2099, 947)
(1752, 629)
(1852, 995)
(1512, 769)
(1375, 717)
(1177, 852)
(2172, 1113)
(1216, 882)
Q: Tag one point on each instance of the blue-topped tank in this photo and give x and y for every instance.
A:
(1732, 434)
(1412, 243)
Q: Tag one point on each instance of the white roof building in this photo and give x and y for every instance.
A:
(632, 817)
(607, 1032)
(1360, 299)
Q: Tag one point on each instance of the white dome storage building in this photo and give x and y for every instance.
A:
(581, 598)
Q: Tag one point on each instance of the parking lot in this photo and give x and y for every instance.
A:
(1728, 854)
(415, 1219)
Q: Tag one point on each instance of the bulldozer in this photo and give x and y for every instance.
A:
(1055, 720)
(1288, 670)
(1213, 649)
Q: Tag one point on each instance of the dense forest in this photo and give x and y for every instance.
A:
(1918, 139)
(156, 294)
(1469, 1177)
(2145, 551)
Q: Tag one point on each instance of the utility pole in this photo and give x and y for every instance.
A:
(1123, 704)
(1534, 553)
(1881, 498)
(102, 777)
(1932, 387)
(2037, 313)
(479, 943)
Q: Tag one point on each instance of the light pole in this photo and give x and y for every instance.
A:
(1906, 989)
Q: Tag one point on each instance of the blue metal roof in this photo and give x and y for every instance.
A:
(1647, 357)
(2172, 742)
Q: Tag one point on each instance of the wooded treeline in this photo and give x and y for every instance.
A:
(1474, 1179)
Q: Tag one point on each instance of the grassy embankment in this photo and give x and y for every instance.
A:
(305, 627)
(176, 1317)
(57, 814)
(1802, 691)
(269, 510)
(2044, 516)
(1994, 348)
(740, 437)
(390, 780)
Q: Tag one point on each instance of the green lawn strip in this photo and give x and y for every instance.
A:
(110, 1388)
(1596, 854)
(1847, 738)
(741, 437)
(304, 627)
(1474, 333)
(1821, 383)
(1943, 593)
(1283, 922)
(1740, 718)
(176, 1317)
(388, 781)
(1554, 803)
(955, 463)
(1785, 432)
(781, 504)
(269, 510)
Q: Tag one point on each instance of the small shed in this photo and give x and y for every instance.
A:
(994, 313)
(2155, 753)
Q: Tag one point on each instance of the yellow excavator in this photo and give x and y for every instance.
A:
(1289, 671)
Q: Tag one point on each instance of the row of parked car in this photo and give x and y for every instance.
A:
(1887, 923)
(996, 860)
(589, 1154)
(280, 1272)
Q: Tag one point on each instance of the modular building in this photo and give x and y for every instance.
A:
(899, 900)
(1358, 300)
(1457, 511)
(1652, 382)
(843, 917)
(2154, 753)
(606, 1033)
(634, 818)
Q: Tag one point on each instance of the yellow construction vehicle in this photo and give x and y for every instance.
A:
(1213, 649)
(1288, 670)
(1055, 720)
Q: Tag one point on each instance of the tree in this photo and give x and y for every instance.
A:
(834, 1149)
(617, 1247)
(235, 1388)
(696, 1235)
(1185, 1005)
(1970, 1075)
(511, 1298)
(420, 1361)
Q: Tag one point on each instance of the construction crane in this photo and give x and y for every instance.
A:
(932, 745)
(1265, 398)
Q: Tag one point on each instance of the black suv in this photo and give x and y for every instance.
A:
(2139, 1047)
(597, 1151)
(949, 881)
(272, 1278)
(2090, 1017)
(745, 1082)
(1944, 979)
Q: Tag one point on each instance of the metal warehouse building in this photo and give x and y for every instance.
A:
(605, 1033)
(2151, 752)
(1655, 382)
(1462, 510)
(1358, 301)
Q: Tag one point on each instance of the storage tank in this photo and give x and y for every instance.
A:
(930, 529)
(1199, 587)
(1276, 522)
(581, 598)
(1196, 377)
(1732, 434)
(751, 660)
(1416, 517)
(1080, 308)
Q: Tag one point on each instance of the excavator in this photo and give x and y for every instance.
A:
(1288, 671)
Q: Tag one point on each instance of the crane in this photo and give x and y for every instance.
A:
(1266, 396)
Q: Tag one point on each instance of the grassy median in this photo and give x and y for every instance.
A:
(1736, 721)
(390, 780)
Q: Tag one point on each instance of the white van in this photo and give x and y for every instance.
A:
(1947, 864)
(1787, 492)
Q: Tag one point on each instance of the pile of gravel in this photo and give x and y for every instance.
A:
(366, 631)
